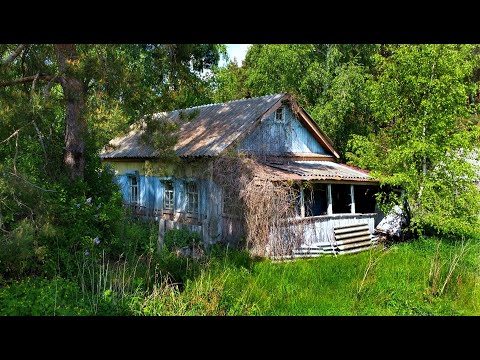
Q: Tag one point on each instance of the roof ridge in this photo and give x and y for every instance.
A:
(223, 103)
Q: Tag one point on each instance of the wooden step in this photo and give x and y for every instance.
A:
(354, 245)
(352, 234)
(303, 246)
(348, 226)
(356, 250)
(317, 244)
(350, 229)
(296, 252)
(353, 240)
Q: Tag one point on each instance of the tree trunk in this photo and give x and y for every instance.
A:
(75, 124)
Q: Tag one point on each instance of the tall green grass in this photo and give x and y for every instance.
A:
(422, 277)
(398, 283)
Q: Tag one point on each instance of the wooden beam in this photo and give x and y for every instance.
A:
(302, 202)
(352, 198)
(329, 200)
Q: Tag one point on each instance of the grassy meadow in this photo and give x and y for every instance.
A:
(423, 277)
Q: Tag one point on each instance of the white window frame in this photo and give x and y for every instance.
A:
(282, 108)
(134, 190)
(171, 192)
(192, 203)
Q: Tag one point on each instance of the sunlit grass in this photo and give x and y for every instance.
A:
(404, 279)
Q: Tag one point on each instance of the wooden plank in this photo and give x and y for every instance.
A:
(352, 197)
(318, 244)
(302, 202)
(306, 255)
(329, 200)
(351, 229)
(303, 246)
(352, 251)
(354, 240)
(349, 226)
(320, 251)
(352, 234)
(354, 245)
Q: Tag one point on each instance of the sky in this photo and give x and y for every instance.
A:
(237, 51)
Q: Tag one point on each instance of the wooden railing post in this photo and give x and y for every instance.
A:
(352, 198)
(329, 200)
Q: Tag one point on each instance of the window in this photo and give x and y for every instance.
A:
(365, 198)
(133, 189)
(168, 195)
(341, 199)
(280, 114)
(315, 198)
(192, 198)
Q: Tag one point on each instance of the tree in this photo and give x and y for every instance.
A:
(89, 73)
(60, 103)
(229, 83)
(425, 130)
(327, 79)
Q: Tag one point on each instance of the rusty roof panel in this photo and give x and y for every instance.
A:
(213, 128)
(312, 170)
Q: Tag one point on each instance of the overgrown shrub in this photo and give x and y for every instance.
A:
(20, 252)
(44, 297)
(178, 238)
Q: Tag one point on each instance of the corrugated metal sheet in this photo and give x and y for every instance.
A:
(312, 170)
(213, 128)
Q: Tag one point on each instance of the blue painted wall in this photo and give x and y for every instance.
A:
(151, 190)
(279, 138)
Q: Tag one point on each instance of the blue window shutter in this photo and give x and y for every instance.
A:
(142, 191)
(122, 181)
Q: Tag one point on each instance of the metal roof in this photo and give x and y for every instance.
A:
(213, 128)
(312, 170)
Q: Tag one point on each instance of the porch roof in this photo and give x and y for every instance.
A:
(312, 170)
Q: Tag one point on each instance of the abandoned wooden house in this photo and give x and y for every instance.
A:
(288, 146)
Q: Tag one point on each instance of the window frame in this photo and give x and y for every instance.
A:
(131, 187)
(193, 210)
(282, 108)
(172, 192)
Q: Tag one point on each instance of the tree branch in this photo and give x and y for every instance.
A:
(15, 157)
(31, 184)
(14, 133)
(14, 55)
(30, 79)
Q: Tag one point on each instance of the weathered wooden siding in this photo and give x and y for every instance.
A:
(317, 229)
(279, 138)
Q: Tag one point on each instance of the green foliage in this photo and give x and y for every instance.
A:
(275, 68)
(20, 252)
(43, 297)
(425, 134)
(178, 238)
(229, 83)
(48, 222)
(403, 281)
(162, 134)
(327, 79)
